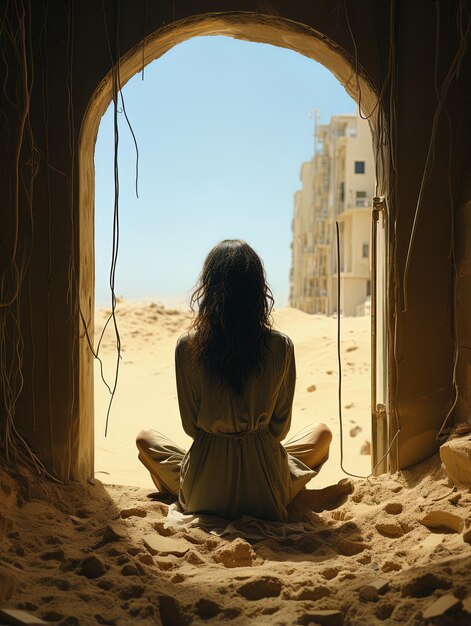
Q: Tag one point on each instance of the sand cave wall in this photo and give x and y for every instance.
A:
(56, 61)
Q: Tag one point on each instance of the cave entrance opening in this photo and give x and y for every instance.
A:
(308, 45)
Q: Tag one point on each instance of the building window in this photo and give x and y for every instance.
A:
(366, 250)
(368, 288)
(359, 167)
(361, 199)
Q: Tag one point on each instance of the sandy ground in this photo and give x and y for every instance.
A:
(96, 553)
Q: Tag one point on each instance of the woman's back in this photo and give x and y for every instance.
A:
(207, 405)
(236, 464)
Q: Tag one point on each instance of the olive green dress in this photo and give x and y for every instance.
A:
(236, 464)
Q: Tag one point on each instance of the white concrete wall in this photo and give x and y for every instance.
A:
(303, 235)
(360, 235)
(359, 148)
(353, 293)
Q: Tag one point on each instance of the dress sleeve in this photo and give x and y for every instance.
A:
(281, 419)
(187, 400)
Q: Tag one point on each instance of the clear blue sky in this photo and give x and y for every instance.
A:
(223, 128)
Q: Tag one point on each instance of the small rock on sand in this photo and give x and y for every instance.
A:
(113, 533)
(456, 457)
(166, 545)
(441, 606)
(365, 448)
(443, 520)
(311, 388)
(325, 617)
(356, 430)
(130, 570)
(17, 616)
(392, 485)
(238, 553)
(193, 557)
(390, 529)
(371, 591)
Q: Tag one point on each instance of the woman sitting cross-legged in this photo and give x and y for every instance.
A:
(235, 382)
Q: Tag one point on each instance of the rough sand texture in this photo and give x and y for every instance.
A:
(77, 555)
(87, 554)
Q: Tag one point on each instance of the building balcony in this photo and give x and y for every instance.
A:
(357, 275)
(363, 203)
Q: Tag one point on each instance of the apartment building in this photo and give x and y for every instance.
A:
(302, 245)
(337, 186)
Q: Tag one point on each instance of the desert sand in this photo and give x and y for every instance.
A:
(381, 551)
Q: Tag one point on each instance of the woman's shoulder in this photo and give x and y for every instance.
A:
(183, 351)
(184, 341)
(185, 338)
(280, 340)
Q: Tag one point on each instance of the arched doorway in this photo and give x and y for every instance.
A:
(263, 29)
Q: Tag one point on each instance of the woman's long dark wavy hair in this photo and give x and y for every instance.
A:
(233, 317)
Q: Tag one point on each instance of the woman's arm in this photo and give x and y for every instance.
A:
(187, 401)
(281, 419)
